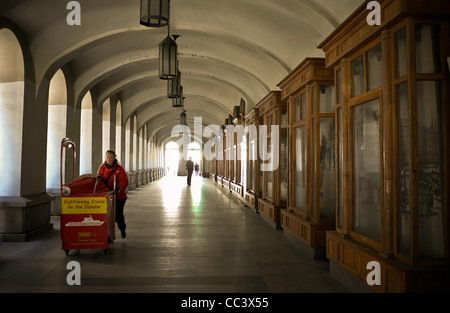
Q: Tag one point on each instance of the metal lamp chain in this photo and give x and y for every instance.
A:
(168, 18)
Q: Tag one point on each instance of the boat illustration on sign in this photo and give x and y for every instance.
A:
(88, 221)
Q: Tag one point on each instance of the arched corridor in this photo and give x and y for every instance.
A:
(181, 239)
(321, 124)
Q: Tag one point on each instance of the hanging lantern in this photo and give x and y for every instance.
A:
(183, 118)
(178, 102)
(174, 87)
(168, 58)
(154, 13)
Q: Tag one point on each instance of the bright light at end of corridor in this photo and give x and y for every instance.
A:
(196, 191)
(171, 187)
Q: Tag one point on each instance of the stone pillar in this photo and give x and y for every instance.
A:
(25, 205)
(98, 154)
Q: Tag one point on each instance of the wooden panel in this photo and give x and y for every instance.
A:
(395, 281)
(355, 31)
(348, 257)
(270, 210)
(319, 236)
(311, 69)
(429, 6)
(262, 209)
(250, 199)
(252, 116)
(332, 248)
(314, 234)
(236, 188)
(265, 208)
(395, 276)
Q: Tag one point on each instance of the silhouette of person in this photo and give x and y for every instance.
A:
(189, 169)
(196, 168)
(109, 168)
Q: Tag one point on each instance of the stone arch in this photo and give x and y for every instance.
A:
(12, 90)
(106, 126)
(86, 135)
(127, 155)
(134, 144)
(119, 128)
(57, 125)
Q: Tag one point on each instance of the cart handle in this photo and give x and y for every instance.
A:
(67, 143)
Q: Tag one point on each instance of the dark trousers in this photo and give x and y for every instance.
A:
(189, 177)
(120, 218)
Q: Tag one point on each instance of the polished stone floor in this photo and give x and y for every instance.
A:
(180, 239)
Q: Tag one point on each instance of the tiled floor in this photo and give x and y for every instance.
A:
(180, 239)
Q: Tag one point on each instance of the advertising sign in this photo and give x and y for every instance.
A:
(84, 222)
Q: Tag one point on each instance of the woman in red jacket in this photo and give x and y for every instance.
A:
(107, 170)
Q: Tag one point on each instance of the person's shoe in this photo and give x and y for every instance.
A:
(124, 234)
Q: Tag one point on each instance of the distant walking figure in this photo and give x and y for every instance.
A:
(189, 169)
(196, 168)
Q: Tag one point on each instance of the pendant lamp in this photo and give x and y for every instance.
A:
(183, 118)
(174, 86)
(178, 102)
(168, 58)
(154, 13)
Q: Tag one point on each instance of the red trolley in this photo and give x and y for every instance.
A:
(87, 210)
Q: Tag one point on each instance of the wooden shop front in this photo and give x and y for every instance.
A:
(273, 169)
(309, 90)
(392, 146)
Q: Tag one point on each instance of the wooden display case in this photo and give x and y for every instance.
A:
(237, 174)
(220, 157)
(273, 172)
(228, 163)
(309, 89)
(253, 190)
(392, 146)
(213, 162)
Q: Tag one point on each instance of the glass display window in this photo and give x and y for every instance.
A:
(392, 143)
(366, 169)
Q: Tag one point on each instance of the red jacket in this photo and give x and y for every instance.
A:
(121, 178)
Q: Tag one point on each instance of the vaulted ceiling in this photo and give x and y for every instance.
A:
(227, 50)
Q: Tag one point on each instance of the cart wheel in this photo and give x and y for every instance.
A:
(67, 252)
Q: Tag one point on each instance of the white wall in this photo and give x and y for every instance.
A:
(12, 89)
(86, 135)
(11, 114)
(57, 112)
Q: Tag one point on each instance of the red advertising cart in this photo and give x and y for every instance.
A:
(87, 211)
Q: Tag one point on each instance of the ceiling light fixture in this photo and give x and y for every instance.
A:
(178, 102)
(183, 118)
(154, 13)
(168, 53)
(174, 88)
